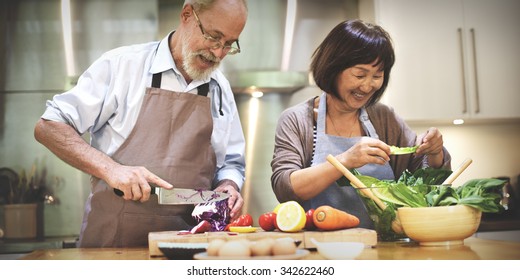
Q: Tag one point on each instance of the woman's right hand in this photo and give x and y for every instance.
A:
(367, 150)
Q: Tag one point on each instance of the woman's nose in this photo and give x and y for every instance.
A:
(367, 85)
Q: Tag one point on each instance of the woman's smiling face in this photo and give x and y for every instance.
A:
(357, 84)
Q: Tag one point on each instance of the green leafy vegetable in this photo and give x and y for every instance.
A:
(402, 150)
(423, 188)
(382, 220)
(428, 176)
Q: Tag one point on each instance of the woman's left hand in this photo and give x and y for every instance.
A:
(431, 144)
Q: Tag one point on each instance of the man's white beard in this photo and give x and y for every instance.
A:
(189, 59)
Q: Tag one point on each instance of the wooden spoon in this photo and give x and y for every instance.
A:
(457, 172)
(396, 224)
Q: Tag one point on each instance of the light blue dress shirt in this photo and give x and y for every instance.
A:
(108, 96)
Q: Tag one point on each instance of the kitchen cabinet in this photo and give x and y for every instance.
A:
(454, 59)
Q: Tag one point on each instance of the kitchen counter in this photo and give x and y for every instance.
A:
(493, 222)
(27, 245)
(473, 249)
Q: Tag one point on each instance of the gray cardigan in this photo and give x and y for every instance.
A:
(293, 147)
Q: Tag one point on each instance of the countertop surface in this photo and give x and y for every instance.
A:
(473, 249)
(493, 222)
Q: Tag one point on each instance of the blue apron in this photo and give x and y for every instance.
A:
(344, 198)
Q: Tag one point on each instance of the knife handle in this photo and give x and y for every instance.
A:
(119, 192)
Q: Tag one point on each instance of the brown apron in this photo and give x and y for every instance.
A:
(172, 139)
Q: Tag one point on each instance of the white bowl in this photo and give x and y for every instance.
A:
(339, 250)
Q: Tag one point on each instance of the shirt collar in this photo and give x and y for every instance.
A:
(163, 61)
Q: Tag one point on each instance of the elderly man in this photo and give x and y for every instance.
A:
(157, 112)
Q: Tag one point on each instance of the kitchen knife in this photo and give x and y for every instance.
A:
(189, 196)
(178, 196)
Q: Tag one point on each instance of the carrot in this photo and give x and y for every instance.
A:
(329, 218)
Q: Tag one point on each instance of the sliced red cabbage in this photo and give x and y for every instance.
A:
(216, 213)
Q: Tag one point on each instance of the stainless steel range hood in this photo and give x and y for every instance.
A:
(277, 42)
(249, 82)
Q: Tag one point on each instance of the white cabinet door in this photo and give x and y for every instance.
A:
(437, 75)
(493, 37)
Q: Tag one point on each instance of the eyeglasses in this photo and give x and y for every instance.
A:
(214, 43)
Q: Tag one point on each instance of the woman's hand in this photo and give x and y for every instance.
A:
(367, 150)
(431, 144)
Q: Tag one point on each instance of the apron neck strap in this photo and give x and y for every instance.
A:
(156, 80)
(322, 113)
(203, 89)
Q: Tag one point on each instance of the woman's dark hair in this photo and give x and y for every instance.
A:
(351, 43)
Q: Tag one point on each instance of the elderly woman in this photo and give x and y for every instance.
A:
(352, 68)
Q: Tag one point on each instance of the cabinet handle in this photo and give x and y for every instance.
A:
(477, 94)
(464, 94)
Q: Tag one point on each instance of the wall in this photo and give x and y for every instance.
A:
(259, 117)
(493, 147)
(19, 151)
(34, 70)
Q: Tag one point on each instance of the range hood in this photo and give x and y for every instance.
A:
(277, 42)
(250, 82)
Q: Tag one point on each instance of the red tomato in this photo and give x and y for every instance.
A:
(267, 221)
(241, 221)
(309, 223)
(244, 220)
(274, 221)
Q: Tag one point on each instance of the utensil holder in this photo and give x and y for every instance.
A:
(20, 220)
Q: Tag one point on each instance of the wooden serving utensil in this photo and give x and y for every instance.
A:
(396, 224)
(457, 172)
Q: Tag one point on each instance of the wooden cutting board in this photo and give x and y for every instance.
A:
(366, 236)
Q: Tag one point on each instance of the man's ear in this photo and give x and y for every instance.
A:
(187, 12)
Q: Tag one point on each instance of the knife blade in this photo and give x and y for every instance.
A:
(178, 196)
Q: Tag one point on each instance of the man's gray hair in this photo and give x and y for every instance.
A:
(202, 5)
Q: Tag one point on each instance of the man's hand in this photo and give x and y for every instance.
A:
(65, 142)
(235, 201)
(134, 182)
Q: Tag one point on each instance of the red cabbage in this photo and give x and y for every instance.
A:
(216, 213)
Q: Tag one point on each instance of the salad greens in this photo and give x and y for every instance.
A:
(402, 150)
(423, 188)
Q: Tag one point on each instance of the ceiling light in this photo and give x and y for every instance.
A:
(458, 121)
(257, 94)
